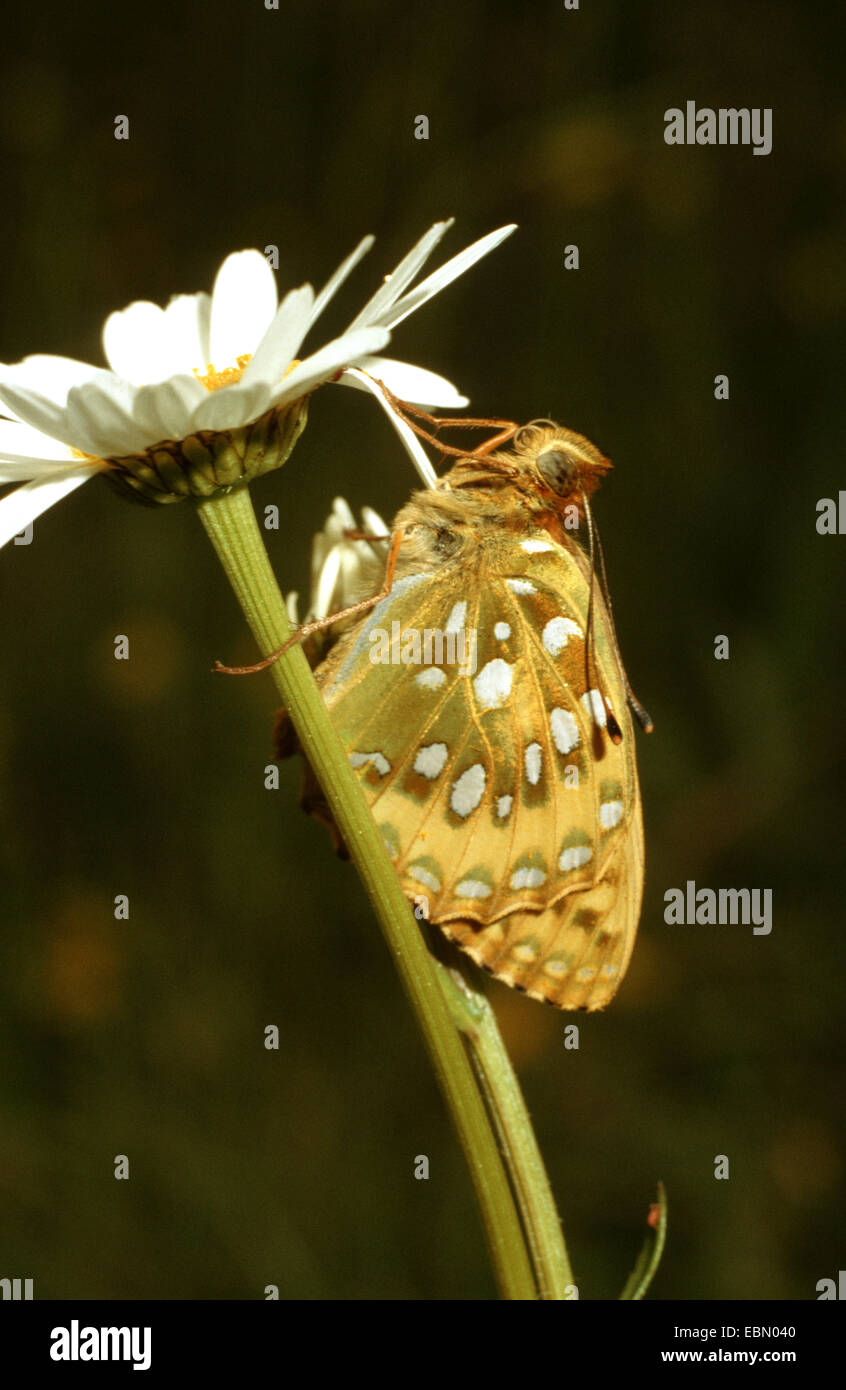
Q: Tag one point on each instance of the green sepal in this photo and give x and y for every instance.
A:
(210, 461)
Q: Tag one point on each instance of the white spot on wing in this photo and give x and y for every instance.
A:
(473, 888)
(521, 586)
(534, 547)
(610, 814)
(455, 621)
(558, 632)
(528, 878)
(574, 857)
(431, 678)
(502, 631)
(377, 760)
(525, 952)
(430, 759)
(468, 790)
(503, 806)
(595, 707)
(423, 876)
(533, 759)
(493, 684)
(565, 730)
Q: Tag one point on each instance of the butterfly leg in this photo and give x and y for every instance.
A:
(319, 624)
(405, 410)
(351, 535)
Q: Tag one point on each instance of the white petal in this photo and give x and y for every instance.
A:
(18, 440)
(373, 523)
(47, 376)
(243, 305)
(393, 285)
(342, 352)
(320, 547)
(335, 281)
(232, 406)
(342, 513)
(145, 344)
(448, 272)
(339, 518)
(71, 422)
(26, 503)
(137, 344)
(166, 410)
(412, 383)
(44, 415)
(22, 467)
(342, 521)
(187, 319)
(204, 308)
(412, 444)
(326, 583)
(100, 419)
(282, 340)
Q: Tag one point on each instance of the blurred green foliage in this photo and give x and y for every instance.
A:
(295, 127)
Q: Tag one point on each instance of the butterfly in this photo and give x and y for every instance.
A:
(500, 765)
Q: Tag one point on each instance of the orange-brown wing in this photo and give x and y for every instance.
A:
(500, 797)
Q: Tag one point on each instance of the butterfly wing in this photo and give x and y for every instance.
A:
(501, 799)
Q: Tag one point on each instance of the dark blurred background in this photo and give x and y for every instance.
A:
(250, 127)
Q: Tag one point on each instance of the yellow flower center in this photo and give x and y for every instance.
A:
(212, 379)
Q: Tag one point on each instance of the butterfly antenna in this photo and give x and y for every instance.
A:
(641, 714)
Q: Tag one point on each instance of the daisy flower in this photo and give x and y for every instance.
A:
(209, 391)
(344, 567)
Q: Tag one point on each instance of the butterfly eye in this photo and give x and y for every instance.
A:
(559, 470)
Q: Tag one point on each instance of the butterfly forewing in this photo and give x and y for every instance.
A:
(501, 798)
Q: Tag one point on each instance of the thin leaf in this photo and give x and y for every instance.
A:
(649, 1258)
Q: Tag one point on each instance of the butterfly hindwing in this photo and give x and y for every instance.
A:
(500, 797)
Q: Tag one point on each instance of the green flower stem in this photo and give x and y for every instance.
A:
(231, 526)
(649, 1258)
(474, 1016)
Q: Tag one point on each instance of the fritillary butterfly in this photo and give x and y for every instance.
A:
(507, 795)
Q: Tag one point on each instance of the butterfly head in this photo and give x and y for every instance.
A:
(557, 464)
(547, 466)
